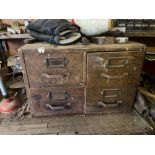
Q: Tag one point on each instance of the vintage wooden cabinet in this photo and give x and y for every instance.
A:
(81, 79)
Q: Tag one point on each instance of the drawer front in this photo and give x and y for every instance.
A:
(56, 101)
(116, 68)
(113, 107)
(114, 81)
(56, 68)
(103, 100)
(116, 60)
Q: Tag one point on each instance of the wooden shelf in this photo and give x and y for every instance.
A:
(14, 36)
(140, 34)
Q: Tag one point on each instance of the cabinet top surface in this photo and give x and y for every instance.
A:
(90, 47)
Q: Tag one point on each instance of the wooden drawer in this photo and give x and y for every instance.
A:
(131, 70)
(103, 100)
(94, 108)
(116, 60)
(113, 81)
(120, 69)
(54, 68)
(56, 101)
(115, 63)
(101, 93)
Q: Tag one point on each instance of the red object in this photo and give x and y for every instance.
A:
(8, 105)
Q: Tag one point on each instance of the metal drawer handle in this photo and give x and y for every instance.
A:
(107, 62)
(109, 105)
(56, 62)
(117, 92)
(57, 107)
(113, 77)
(63, 96)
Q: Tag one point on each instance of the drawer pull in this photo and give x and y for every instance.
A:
(114, 93)
(58, 96)
(109, 105)
(57, 107)
(113, 77)
(56, 62)
(108, 64)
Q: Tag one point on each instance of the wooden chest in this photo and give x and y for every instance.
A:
(81, 79)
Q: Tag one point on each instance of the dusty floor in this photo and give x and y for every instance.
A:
(128, 123)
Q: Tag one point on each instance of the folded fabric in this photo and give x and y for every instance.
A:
(57, 31)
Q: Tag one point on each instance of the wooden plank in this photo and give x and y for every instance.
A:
(15, 36)
(140, 34)
(133, 46)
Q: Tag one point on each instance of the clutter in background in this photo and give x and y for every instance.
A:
(145, 104)
(135, 24)
(16, 28)
(14, 106)
(14, 63)
(14, 91)
(147, 89)
(9, 103)
(143, 108)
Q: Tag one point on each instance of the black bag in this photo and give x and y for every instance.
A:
(57, 31)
